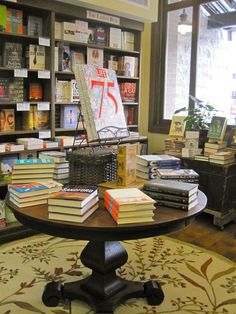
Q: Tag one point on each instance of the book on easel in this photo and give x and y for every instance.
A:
(217, 129)
(101, 104)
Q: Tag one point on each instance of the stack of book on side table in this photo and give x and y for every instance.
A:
(74, 203)
(168, 193)
(148, 165)
(32, 170)
(30, 194)
(129, 205)
(222, 158)
(61, 170)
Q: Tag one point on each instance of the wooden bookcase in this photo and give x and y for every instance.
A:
(50, 12)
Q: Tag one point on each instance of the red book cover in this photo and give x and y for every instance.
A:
(128, 91)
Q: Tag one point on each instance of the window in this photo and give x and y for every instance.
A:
(197, 59)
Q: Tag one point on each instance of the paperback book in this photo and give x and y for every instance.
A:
(158, 160)
(73, 195)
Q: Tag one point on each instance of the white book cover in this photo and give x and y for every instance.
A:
(115, 37)
(95, 57)
(101, 103)
(81, 31)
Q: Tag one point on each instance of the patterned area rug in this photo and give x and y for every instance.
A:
(194, 280)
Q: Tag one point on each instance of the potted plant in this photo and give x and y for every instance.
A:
(198, 118)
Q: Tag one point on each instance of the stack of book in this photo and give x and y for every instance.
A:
(185, 175)
(169, 194)
(212, 148)
(73, 203)
(32, 170)
(148, 165)
(222, 158)
(31, 194)
(129, 205)
(103, 186)
(61, 170)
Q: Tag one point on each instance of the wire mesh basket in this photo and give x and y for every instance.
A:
(92, 165)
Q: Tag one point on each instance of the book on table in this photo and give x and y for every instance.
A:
(146, 176)
(177, 174)
(33, 163)
(56, 156)
(171, 197)
(177, 205)
(73, 195)
(171, 187)
(70, 210)
(73, 218)
(217, 128)
(158, 160)
(132, 200)
(101, 103)
(34, 189)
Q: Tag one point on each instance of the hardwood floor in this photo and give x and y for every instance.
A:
(203, 233)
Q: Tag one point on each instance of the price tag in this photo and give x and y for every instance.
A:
(44, 41)
(23, 106)
(45, 134)
(43, 106)
(44, 74)
(20, 73)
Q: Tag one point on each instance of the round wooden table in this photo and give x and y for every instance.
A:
(103, 289)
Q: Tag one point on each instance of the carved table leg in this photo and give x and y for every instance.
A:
(103, 290)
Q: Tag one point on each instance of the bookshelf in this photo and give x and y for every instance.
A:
(50, 12)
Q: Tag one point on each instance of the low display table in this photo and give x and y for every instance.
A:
(103, 290)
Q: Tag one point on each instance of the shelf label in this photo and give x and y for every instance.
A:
(44, 41)
(20, 72)
(43, 106)
(23, 106)
(45, 134)
(111, 19)
(44, 74)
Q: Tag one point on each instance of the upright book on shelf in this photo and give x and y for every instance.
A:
(101, 103)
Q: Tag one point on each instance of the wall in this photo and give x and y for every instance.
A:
(120, 7)
(155, 141)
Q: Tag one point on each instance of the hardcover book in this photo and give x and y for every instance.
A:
(68, 31)
(41, 119)
(74, 91)
(73, 218)
(101, 35)
(4, 89)
(177, 205)
(55, 155)
(81, 31)
(12, 55)
(217, 128)
(33, 189)
(14, 22)
(177, 127)
(128, 91)
(63, 91)
(16, 89)
(101, 103)
(95, 57)
(35, 26)
(170, 187)
(177, 173)
(3, 18)
(36, 57)
(115, 37)
(158, 160)
(58, 30)
(126, 163)
(66, 58)
(127, 40)
(69, 116)
(34, 163)
(77, 58)
(73, 195)
(7, 120)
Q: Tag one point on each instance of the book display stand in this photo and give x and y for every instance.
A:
(91, 164)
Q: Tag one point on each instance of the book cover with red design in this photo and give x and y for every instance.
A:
(101, 103)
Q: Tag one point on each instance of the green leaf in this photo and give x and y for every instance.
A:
(193, 269)
(223, 273)
(27, 306)
(205, 266)
(230, 301)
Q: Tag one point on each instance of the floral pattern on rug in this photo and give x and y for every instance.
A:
(193, 280)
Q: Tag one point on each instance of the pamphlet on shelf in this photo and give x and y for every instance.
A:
(43, 105)
(45, 134)
(23, 106)
(44, 74)
(44, 41)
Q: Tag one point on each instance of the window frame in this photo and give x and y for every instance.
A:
(156, 123)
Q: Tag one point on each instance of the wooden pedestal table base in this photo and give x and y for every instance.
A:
(103, 289)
